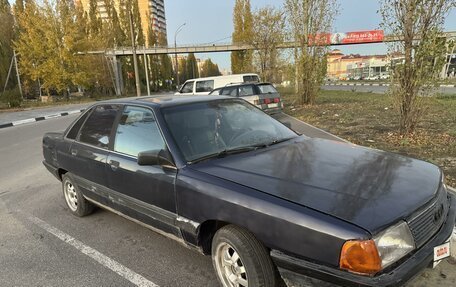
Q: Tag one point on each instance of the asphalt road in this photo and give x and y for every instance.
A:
(42, 244)
(378, 89)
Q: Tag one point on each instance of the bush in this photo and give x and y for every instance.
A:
(12, 98)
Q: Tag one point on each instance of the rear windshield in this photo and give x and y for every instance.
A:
(251, 79)
(267, 89)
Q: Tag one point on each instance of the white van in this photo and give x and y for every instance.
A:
(203, 86)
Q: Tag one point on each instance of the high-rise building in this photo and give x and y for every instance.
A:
(152, 14)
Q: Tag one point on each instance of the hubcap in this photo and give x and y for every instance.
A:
(230, 268)
(70, 196)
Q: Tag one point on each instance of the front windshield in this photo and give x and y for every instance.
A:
(203, 129)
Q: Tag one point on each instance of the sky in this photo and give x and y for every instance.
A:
(209, 21)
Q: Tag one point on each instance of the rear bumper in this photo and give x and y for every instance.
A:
(273, 110)
(292, 268)
(52, 169)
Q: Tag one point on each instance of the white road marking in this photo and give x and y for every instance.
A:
(104, 260)
(52, 116)
(20, 122)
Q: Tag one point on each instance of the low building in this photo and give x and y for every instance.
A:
(351, 66)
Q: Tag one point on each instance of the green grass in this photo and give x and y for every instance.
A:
(370, 120)
(57, 101)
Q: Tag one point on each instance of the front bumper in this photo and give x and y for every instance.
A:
(292, 268)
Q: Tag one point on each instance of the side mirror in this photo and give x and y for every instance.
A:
(155, 157)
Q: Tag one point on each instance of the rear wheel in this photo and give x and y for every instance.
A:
(240, 260)
(74, 199)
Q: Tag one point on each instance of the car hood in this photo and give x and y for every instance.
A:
(366, 187)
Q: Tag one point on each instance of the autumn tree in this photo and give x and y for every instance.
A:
(6, 40)
(113, 34)
(268, 34)
(94, 21)
(192, 67)
(308, 20)
(166, 66)
(419, 24)
(183, 69)
(48, 43)
(241, 61)
(209, 69)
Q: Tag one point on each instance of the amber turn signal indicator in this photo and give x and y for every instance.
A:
(360, 256)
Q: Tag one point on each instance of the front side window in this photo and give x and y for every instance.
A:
(204, 86)
(97, 129)
(187, 88)
(137, 132)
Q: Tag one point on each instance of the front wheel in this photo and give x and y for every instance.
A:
(240, 260)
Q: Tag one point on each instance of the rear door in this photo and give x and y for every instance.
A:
(143, 192)
(89, 151)
(204, 87)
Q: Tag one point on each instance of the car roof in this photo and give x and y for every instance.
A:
(165, 100)
(246, 83)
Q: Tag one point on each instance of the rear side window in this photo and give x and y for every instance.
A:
(187, 88)
(229, 91)
(137, 131)
(204, 86)
(97, 129)
(267, 89)
(73, 133)
(246, 91)
(251, 79)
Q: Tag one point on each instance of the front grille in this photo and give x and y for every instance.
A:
(428, 220)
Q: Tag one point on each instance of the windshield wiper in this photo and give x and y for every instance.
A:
(277, 141)
(226, 152)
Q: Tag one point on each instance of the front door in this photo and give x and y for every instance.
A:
(143, 192)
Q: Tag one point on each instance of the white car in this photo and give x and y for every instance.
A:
(203, 86)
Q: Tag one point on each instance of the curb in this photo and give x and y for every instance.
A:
(377, 85)
(37, 119)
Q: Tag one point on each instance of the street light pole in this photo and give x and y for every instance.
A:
(135, 60)
(175, 49)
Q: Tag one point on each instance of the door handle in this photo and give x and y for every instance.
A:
(114, 164)
(74, 152)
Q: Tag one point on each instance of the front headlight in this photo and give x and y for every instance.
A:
(371, 256)
(394, 243)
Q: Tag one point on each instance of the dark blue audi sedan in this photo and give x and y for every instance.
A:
(220, 176)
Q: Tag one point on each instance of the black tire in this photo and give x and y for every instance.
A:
(77, 204)
(253, 256)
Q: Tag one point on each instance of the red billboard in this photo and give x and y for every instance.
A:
(347, 38)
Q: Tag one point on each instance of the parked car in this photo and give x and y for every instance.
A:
(263, 95)
(357, 78)
(384, 76)
(373, 78)
(226, 179)
(203, 86)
